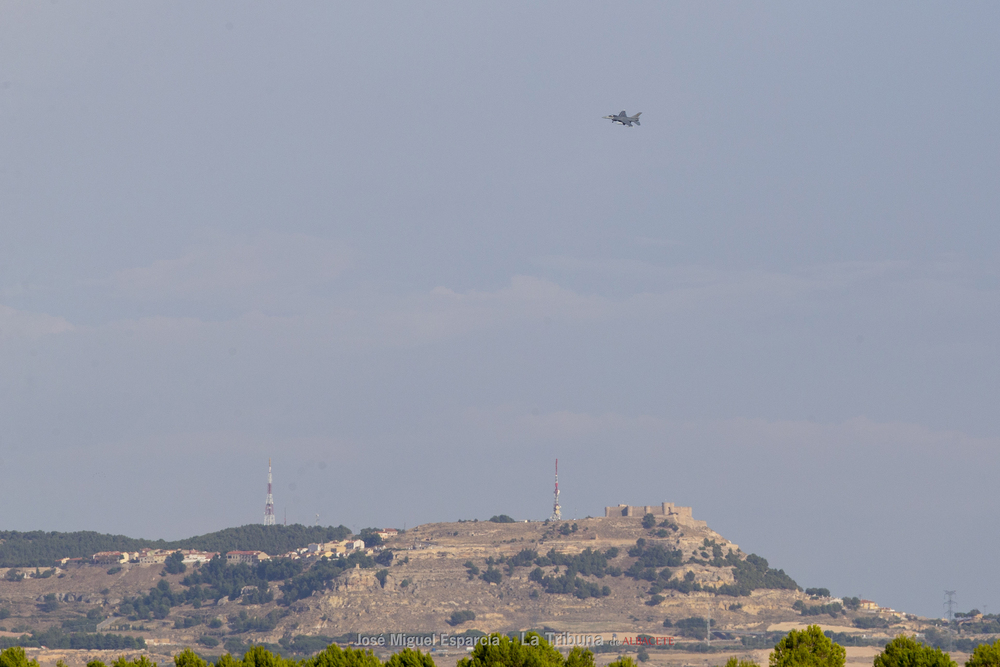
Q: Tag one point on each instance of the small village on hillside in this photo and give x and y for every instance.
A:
(194, 557)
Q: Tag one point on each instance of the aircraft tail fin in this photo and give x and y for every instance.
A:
(636, 116)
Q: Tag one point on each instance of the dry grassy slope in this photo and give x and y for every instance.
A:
(80, 589)
(439, 585)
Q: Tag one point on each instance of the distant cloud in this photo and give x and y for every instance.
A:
(287, 284)
(444, 313)
(19, 323)
(239, 270)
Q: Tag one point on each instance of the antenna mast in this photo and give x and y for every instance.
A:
(269, 503)
(556, 509)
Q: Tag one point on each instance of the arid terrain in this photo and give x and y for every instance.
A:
(428, 581)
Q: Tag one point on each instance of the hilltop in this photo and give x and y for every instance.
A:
(626, 575)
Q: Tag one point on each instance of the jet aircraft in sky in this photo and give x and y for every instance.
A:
(624, 118)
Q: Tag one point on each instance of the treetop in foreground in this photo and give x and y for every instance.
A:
(807, 648)
(15, 657)
(904, 651)
(985, 655)
(496, 649)
(740, 662)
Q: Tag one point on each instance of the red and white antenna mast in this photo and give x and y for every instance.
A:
(269, 503)
(556, 509)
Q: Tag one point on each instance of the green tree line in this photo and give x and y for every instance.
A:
(799, 648)
(218, 579)
(43, 549)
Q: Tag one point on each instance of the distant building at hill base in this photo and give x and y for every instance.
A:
(248, 557)
(159, 556)
(111, 557)
(334, 549)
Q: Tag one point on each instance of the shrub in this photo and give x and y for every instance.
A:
(208, 640)
(754, 573)
(818, 592)
(491, 575)
(654, 556)
(523, 558)
(870, 622)
(502, 518)
(833, 609)
(649, 521)
(459, 617)
(174, 563)
(371, 537)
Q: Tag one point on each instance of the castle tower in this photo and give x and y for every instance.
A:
(269, 503)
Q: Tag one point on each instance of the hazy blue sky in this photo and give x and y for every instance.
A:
(395, 248)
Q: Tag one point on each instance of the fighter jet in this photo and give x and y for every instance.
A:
(624, 118)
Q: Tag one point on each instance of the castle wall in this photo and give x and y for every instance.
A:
(665, 510)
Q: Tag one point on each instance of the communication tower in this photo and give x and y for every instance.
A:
(269, 503)
(556, 509)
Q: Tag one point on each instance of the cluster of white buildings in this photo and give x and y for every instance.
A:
(333, 549)
(193, 557)
(159, 556)
(341, 548)
(154, 556)
(144, 557)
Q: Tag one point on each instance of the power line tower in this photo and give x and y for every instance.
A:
(556, 509)
(949, 604)
(269, 503)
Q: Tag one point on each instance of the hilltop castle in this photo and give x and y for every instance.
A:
(681, 514)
